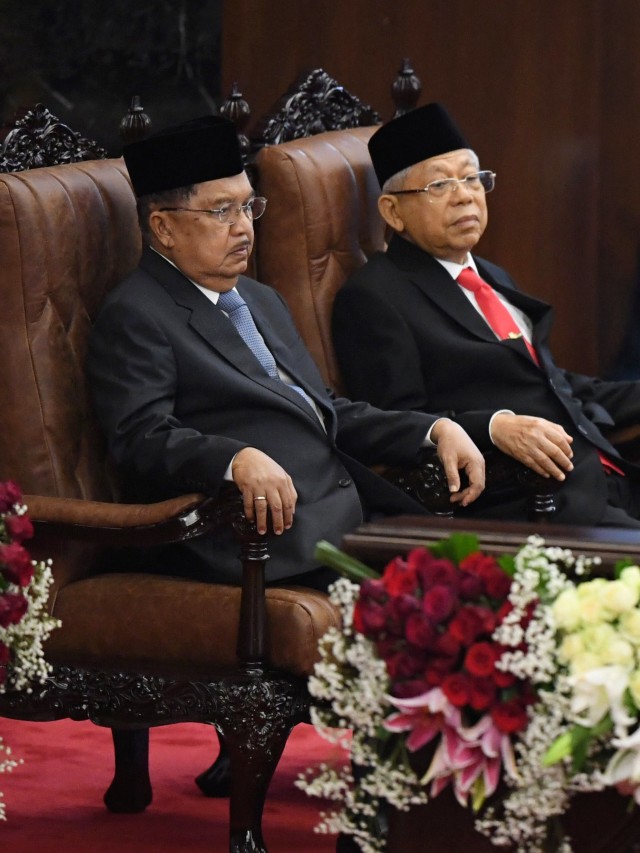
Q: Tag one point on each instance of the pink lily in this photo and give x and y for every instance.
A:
(424, 716)
(472, 759)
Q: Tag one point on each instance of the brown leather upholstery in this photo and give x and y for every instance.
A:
(321, 223)
(67, 235)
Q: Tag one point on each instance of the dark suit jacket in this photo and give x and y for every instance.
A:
(406, 337)
(179, 393)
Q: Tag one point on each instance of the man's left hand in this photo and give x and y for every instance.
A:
(458, 452)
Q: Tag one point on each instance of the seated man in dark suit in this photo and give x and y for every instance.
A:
(200, 377)
(428, 326)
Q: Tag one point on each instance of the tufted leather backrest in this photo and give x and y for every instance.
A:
(321, 223)
(67, 235)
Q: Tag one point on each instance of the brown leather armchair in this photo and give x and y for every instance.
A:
(134, 650)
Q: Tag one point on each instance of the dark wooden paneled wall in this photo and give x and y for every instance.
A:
(547, 93)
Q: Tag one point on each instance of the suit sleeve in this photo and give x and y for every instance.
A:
(378, 358)
(380, 361)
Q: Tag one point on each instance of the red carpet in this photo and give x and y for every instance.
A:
(54, 800)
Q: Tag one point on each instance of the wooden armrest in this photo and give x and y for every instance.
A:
(130, 525)
(427, 483)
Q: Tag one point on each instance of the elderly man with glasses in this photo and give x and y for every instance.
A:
(199, 376)
(429, 326)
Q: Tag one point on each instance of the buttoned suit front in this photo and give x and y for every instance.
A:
(178, 394)
(407, 337)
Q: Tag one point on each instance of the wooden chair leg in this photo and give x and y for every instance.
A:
(216, 780)
(130, 791)
(251, 774)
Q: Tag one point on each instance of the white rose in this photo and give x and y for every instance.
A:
(619, 597)
(566, 611)
(631, 576)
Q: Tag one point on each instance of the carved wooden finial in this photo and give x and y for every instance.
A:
(406, 89)
(136, 124)
(236, 109)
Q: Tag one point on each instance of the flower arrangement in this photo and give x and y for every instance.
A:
(516, 681)
(24, 621)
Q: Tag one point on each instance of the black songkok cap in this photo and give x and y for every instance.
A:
(203, 149)
(412, 138)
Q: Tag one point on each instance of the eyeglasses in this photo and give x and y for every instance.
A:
(229, 214)
(477, 182)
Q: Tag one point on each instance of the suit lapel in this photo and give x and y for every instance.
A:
(217, 330)
(432, 279)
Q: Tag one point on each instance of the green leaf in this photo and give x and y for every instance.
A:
(348, 566)
(507, 563)
(456, 547)
(559, 749)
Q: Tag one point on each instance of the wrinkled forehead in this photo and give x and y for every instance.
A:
(235, 188)
(445, 165)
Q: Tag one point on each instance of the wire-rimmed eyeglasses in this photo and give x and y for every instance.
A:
(483, 181)
(229, 214)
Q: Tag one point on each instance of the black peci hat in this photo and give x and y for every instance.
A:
(203, 149)
(412, 138)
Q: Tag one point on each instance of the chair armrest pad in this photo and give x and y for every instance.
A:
(125, 525)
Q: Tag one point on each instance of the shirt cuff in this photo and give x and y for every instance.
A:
(499, 412)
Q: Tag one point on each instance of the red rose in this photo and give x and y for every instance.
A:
(369, 618)
(10, 494)
(467, 625)
(481, 658)
(408, 665)
(476, 563)
(19, 527)
(483, 693)
(399, 577)
(439, 602)
(398, 609)
(373, 589)
(470, 586)
(15, 564)
(13, 606)
(503, 679)
(434, 571)
(5, 654)
(447, 645)
(496, 582)
(510, 716)
(409, 689)
(457, 688)
(419, 630)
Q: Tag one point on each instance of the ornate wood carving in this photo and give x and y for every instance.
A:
(250, 703)
(41, 139)
(313, 105)
(427, 484)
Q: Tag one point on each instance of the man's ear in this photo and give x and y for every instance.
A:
(388, 207)
(160, 225)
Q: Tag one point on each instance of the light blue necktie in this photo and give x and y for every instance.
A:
(234, 305)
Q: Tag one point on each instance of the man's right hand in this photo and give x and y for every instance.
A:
(539, 444)
(264, 486)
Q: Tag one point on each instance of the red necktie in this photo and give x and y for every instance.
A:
(503, 324)
(494, 311)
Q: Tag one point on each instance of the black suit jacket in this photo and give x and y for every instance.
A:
(179, 393)
(406, 337)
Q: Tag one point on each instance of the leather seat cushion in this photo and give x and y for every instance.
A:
(174, 626)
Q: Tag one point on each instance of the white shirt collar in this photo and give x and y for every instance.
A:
(455, 269)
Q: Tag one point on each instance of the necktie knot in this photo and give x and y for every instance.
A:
(230, 301)
(470, 280)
